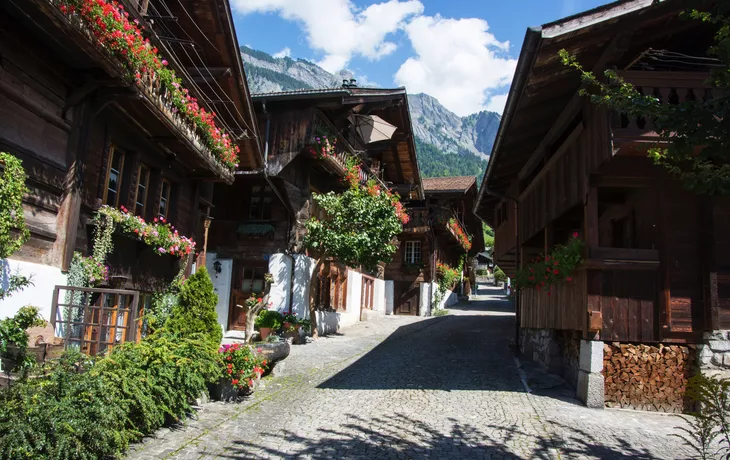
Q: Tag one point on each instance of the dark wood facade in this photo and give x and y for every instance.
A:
(427, 230)
(250, 233)
(656, 256)
(88, 135)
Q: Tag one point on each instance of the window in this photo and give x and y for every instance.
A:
(261, 198)
(114, 178)
(253, 280)
(140, 197)
(164, 199)
(413, 252)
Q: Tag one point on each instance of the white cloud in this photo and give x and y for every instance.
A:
(458, 62)
(286, 52)
(337, 28)
(496, 103)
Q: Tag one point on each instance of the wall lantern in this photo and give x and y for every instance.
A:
(217, 266)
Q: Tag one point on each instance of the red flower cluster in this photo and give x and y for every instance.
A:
(553, 268)
(460, 234)
(122, 39)
(241, 365)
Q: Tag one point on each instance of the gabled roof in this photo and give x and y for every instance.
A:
(448, 184)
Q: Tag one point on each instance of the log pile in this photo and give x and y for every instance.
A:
(647, 377)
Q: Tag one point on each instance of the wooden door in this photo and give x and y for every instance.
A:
(407, 298)
(248, 279)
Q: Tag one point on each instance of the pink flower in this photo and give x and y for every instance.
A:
(162, 250)
(575, 234)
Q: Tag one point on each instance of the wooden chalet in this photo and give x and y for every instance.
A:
(259, 221)
(90, 135)
(654, 276)
(433, 236)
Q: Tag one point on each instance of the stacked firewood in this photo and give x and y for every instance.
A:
(646, 377)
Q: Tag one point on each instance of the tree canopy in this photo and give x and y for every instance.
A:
(359, 228)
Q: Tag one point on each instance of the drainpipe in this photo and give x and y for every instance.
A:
(518, 261)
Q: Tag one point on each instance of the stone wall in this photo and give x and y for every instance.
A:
(569, 342)
(714, 355)
(647, 377)
(543, 347)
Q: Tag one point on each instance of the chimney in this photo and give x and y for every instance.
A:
(345, 84)
(353, 83)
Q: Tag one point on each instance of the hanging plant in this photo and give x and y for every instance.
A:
(160, 235)
(460, 234)
(122, 39)
(13, 231)
(556, 267)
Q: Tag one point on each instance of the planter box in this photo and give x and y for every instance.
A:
(225, 391)
(272, 352)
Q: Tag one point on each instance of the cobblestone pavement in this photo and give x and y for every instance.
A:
(396, 388)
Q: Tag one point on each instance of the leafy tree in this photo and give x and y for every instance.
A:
(195, 311)
(695, 135)
(488, 236)
(359, 230)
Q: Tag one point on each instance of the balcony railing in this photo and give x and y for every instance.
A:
(668, 88)
(343, 152)
(418, 222)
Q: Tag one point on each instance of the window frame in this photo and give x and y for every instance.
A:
(167, 199)
(146, 186)
(410, 247)
(113, 151)
(264, 194)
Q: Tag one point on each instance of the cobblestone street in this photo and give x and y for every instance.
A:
(400, 387)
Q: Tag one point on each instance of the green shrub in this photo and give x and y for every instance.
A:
(195, 310)
(84, 410)
(13, 333)
(269, 318)
(440, 312)
(156, 380)
(67, 414)
(499, 275)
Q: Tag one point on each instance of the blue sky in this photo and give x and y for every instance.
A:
(461, 51)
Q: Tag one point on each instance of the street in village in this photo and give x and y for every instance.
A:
(409, 387)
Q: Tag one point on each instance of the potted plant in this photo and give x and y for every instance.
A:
(267, 321)
(290, 322)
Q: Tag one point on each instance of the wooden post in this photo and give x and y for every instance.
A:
(206, 225)
(70, 208)
(593, 278)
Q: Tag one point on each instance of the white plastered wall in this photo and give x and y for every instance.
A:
(40, 294)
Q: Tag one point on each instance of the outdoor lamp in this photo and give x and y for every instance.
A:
(217, 266)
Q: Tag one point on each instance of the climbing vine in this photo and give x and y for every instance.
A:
(13, 231)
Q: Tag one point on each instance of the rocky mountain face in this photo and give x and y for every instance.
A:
(267, 74)
(445, 130)
(440, 133)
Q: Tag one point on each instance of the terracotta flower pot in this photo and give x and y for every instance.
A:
(265, 332)
(287, 325)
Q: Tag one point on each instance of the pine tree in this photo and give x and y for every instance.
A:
(195, 310)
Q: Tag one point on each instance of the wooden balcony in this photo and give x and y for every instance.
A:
(668, 88)
(145, 101)
(418, 222)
